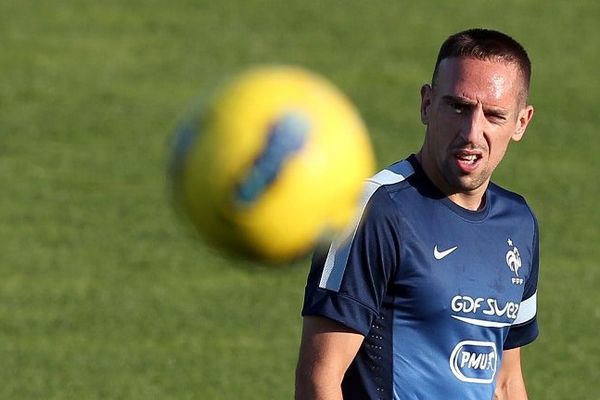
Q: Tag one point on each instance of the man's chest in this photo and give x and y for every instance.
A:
(473, 273)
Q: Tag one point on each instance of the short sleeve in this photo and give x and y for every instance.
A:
(524, 329)
(348, 280)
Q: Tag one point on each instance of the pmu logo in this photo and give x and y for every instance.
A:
(474, 361)
(513, 260)
(286, 138)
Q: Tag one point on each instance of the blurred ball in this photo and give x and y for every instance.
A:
(272, 165)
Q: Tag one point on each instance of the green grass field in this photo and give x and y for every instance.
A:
(102, 293)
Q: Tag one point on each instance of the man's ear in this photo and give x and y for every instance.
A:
(425, 103)
(525, 116)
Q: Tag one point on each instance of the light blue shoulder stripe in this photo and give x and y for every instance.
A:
(527, 310)
(339, 251)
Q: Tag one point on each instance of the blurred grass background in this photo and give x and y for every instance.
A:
(104, 296)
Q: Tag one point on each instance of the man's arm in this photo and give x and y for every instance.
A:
(326, 351)
(510, 384)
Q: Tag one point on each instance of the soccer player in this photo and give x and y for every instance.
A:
(433, 292)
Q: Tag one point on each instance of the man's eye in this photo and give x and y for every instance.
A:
(496, 118)
(459, 108)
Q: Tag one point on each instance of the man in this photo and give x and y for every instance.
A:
(433, 293)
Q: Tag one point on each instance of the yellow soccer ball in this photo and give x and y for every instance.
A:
(274, 163)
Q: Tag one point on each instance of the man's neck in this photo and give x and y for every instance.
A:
(471, 200)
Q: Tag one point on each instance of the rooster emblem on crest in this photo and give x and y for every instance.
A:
(513, 258)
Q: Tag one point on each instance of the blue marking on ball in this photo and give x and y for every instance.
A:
(286, 138)
(182, 142)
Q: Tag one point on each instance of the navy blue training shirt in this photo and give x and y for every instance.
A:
(438, 291)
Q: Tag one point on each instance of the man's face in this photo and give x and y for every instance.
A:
(471, 114)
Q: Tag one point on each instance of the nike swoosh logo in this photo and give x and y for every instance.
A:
(441, 254)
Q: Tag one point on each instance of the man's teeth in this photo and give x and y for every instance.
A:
(468, 158)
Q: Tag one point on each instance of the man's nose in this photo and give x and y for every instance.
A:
(474, 125)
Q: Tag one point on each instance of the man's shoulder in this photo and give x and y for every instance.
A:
(394, 178)
(507, 195)
(513, 201)
(396, 173)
